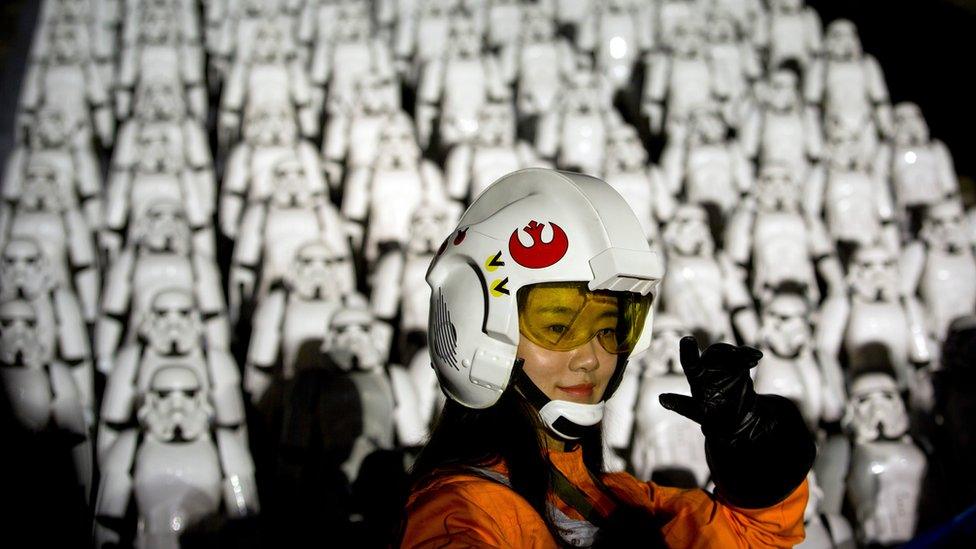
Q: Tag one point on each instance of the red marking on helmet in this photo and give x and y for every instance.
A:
(540, 254)
(443, 245)
(460, 236)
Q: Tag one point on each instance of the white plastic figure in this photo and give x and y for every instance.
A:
(848, 82)
(421, 35)
(616, 33)
(41, 389)
(25, 273)
(668, 15)
(176, 466)
(287, 208)
(707, 167)
(941, 268)
(878, 313)
(919, 167)
(884, 483)
(734, 62)
(780, 128)
(297, 310)
(60, 139)
(453, 88)
(352, 134)
(822, 529)
(703, 291)
(232, 24)
(663, 442)
(626, 169)
(390, 190)
(160, 255)
(782, 244)
(574, 132)
(472, 166)
(46, 212)
(266, 71)
(67, 75)
(793, 35)
(790, 366)
(162, 41)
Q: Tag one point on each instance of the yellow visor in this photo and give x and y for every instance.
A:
(561, 316)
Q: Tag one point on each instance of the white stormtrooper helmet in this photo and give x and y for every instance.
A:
(910, 126)
(585, 94)
(159, 98)
(22, 343)
(398, 148)
(873, 274)
(72, 11)
(157, 151)
(156, 25)
(687, 233)
(777, 189)
(68, 43)
(687, 38)
(25, 271)
(496, 124)
(268, 123)
(944, 227)
(850, 140)
(625, 152)
(786, 6)
(350, 341)
(377, 93)
(781, 94)
(317, 271)
(45, 188)
(721, 28)
(663, 357)
(786, 330)
(289, 185)
(352, 22)
(268, 44)
(531, 227)
(163, 227)
(842, 42)
(464, 38)
(175, 408)
(538, 25)
(875, 410)
(430, 220)
(706, 126)
(54, 127)
(171, 325)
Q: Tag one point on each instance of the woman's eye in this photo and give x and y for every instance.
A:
(557, 328)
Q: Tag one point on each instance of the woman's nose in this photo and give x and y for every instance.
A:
(584, 357)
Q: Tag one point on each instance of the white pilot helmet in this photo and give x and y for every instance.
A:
(531, 227)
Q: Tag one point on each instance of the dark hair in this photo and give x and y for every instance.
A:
(510, 432)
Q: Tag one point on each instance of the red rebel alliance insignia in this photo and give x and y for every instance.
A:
(540, 254)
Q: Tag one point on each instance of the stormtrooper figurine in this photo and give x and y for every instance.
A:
(171, 332)
(791, 367)
(702, 291)
(47, 213)
(153, 166)
(668, 15)
(25, 273)
(919, 167)
(878, 313)
(573, 134)
(664, 443)
(472, 166)
(503, 22)
(287, 208)
(60, 140)
(941, 268)
(66, 75)
(398, 279)
(822, 529)
(160, 255)
(707, 167)
(232, 26)
(297, 310)
(886, 472)
(453, 88)
(793, 35)
(780, 128)
(386, 194)
(616, 33)
(783, 245)
(680, 77)
(176, 466)
(847, 82)
(422, 35)
(266, 71)
(352, 134)
(626, 170)
(41, 390)
(162, 41)
(734, 65)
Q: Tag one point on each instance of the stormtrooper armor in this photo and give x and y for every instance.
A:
(734, 64)
(574, 133)
(822, 529)
(887, 468)
(174, 465)
(793, 35)
(423, 35)
(616, 34)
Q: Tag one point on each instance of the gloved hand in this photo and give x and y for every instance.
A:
(758, 446)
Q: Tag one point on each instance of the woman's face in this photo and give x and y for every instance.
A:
(578, 375)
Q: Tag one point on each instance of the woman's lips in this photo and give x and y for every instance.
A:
(581, 390)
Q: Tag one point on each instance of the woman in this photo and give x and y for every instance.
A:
(538, 300)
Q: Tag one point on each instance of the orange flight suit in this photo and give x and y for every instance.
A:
(471, 511)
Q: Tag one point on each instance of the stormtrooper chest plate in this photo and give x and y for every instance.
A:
(691, 85)
(155, 272)
(916, 181)
(846, 88)
(539, 68)
(693, 292)
(850, 206)
(663, 439)
(30, 395)
(636, 190)
(364, 136)
(489, 164)
(787, 37)
(710, 175)
(395, 194)
(65, 85)
(781, 376)
(285, 230)
(268, 83)
(781, 250)
(878, 322)
(727, 68)
(148, 189)
(617, 48)
(948, 287)
(161, 60)
(416, 293)
(583, 140)
(504, 24)
(465, 86)
(886, 489)
(352, 60)
(176, 484)
(782, 139)
(304, 320)
(431, 37)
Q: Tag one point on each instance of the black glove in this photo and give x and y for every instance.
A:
(758, 447)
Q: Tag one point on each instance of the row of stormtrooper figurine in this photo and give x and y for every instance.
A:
(301, 215)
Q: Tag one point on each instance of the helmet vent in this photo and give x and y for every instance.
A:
(443, 343)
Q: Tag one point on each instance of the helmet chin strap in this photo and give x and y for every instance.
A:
(568, 420)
